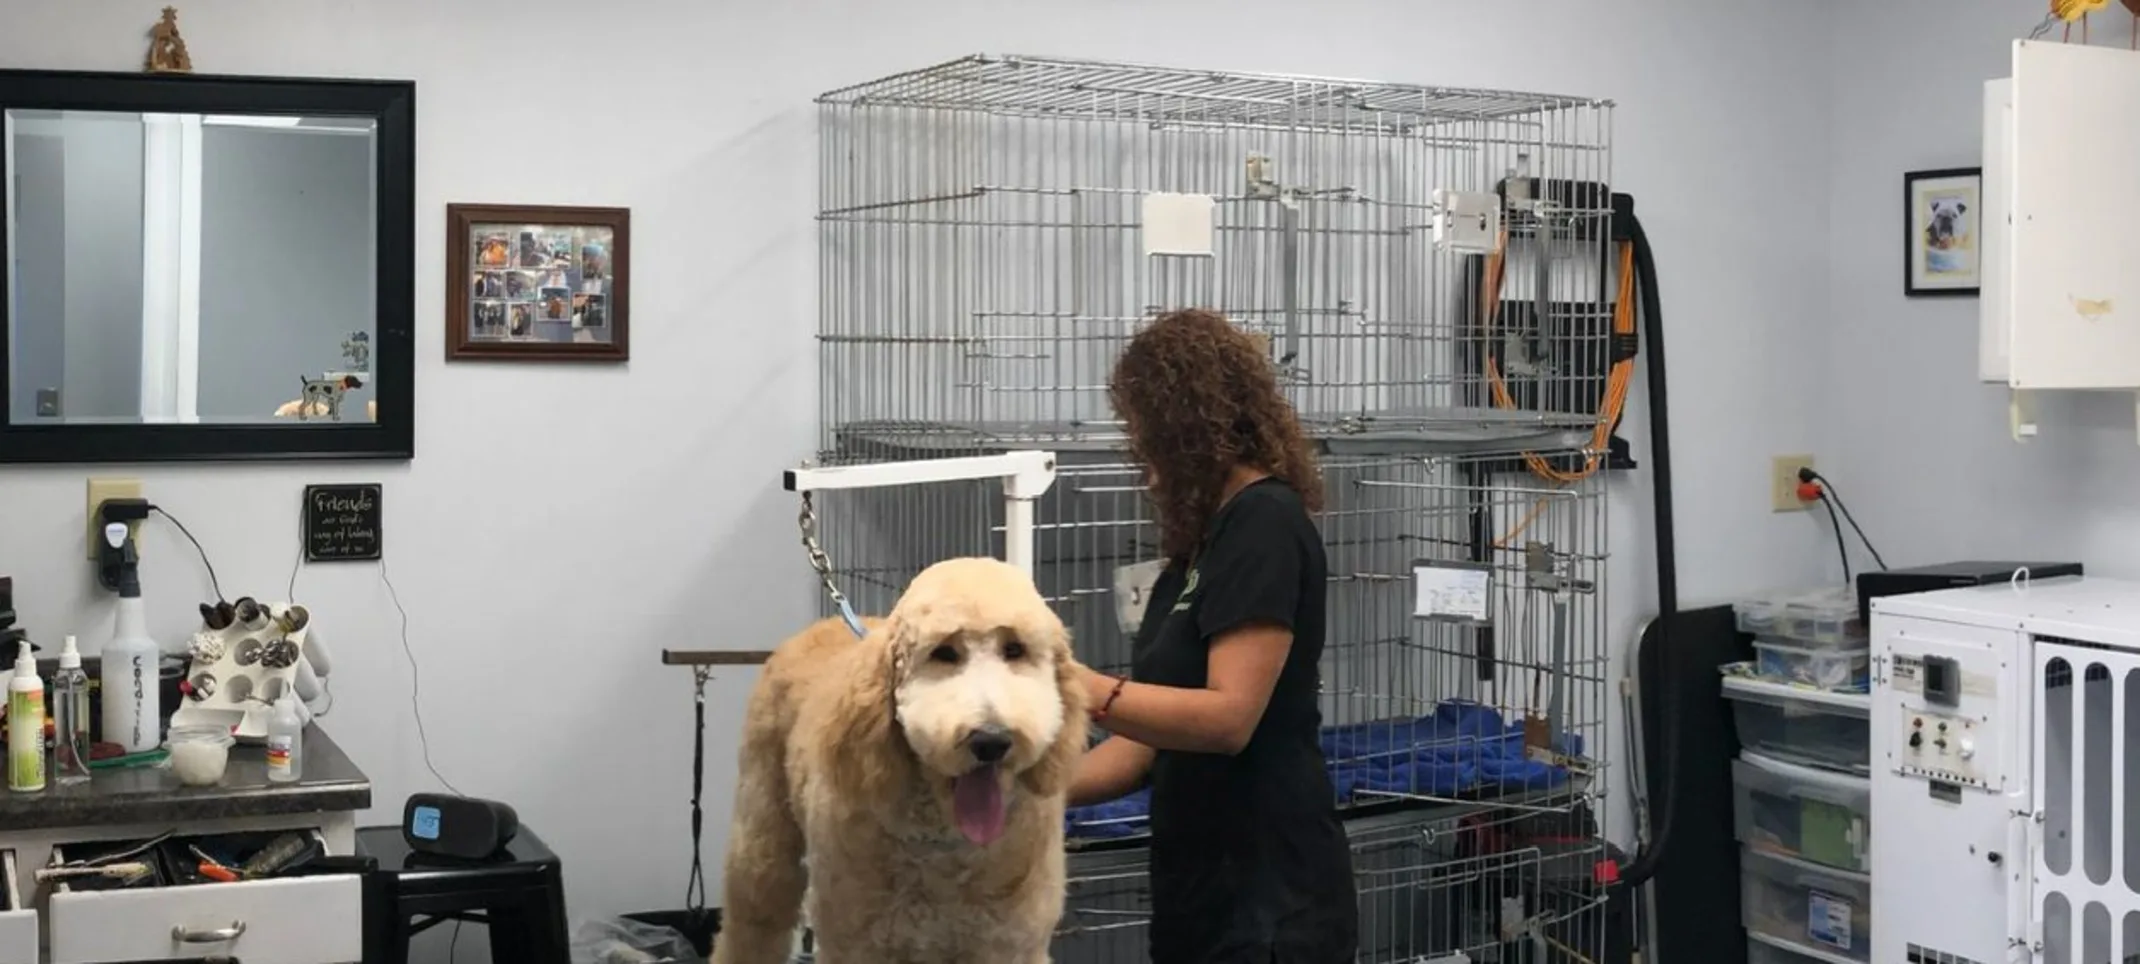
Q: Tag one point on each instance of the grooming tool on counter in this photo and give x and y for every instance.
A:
(241, 669)
(111, 756)
(126, 872)
(461, 827)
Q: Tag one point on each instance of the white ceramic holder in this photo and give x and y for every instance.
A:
(236, 673)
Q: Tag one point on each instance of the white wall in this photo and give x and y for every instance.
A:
(562, 524)
(1921, 448)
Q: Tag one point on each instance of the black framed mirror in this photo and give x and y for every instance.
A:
(206, 267)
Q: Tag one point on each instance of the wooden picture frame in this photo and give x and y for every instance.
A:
(538, 283)
(1942, 236)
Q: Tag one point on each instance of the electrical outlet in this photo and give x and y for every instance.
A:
(101, 491)
(1783, 483)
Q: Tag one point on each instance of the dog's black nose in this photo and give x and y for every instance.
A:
(989, 744)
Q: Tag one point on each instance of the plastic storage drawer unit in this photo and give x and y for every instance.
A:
(1825, 911)
(1801, 725)
(1813, 618)
(1795, 811)
(1785, 661)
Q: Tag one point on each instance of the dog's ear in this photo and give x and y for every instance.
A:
(1053, 773)
(867, 758)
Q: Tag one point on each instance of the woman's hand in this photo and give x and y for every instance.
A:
(1218, 717)
(1099, 688)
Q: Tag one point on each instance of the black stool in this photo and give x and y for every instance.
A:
(519, 895)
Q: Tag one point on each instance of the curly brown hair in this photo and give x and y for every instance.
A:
(1199, 397)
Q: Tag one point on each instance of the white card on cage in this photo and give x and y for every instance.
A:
(1178, 224)
(1451, 591)
(1133, 592)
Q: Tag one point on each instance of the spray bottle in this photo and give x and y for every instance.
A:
(132, 718)
(70, 718)
(25, 725)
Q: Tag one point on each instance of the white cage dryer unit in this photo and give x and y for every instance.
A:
(2003, 720)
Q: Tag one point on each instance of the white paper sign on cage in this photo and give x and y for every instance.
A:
(1178, 224)
(1452, 591)
(1133, 592)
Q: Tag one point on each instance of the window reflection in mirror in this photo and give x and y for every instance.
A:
(188, 268)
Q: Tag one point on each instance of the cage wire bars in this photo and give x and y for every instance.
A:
(1430, 270)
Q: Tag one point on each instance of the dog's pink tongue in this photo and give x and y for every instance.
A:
(977, 804)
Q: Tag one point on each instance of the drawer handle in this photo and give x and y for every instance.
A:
(221, 935)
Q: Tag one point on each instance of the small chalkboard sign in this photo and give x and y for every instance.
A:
(342, 523)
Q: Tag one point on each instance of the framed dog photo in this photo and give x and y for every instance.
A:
(1942, 239)
(538, 283)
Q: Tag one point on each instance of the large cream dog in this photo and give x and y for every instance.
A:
(921, 772)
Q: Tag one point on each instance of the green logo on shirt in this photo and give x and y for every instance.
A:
(1188, 593)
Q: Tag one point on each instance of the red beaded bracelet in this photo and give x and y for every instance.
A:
(1101, 713)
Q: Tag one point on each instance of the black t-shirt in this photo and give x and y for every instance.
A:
(1249, 861)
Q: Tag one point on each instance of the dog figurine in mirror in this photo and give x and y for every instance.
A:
(321, 398)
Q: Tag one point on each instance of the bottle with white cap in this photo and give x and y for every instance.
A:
(285, 741)
(25, 725)
(70, 718)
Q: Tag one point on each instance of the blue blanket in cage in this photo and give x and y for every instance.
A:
(1460, 748)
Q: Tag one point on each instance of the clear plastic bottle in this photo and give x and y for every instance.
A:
(70, 718)
(132, 717)
(285, 742)
(25, 725)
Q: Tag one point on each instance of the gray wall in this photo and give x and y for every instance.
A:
(286, 229)
(38, 355)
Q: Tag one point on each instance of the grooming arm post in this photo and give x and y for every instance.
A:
(1025, 475)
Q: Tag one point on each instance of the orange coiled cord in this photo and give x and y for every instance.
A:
(1617, 381)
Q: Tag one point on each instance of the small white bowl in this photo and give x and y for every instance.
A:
(199, 754)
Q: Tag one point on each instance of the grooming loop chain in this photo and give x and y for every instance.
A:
(807, 522)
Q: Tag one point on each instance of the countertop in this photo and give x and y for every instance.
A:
(152, 794)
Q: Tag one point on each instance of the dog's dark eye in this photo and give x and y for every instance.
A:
(1013, 650)
(944, 654)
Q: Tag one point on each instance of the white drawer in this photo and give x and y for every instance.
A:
(297, 920)
(18, 921)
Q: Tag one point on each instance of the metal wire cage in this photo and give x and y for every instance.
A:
(1487, 736)
(987, 237)
(987, 247)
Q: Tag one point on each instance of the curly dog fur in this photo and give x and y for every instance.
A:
(864, 759)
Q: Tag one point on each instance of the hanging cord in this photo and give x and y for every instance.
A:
(695, 884)
(807, 521)
(416, 701)
(213, 582)
(1842, 546)
(1828, 492)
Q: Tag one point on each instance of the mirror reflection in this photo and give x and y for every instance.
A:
(190, 268)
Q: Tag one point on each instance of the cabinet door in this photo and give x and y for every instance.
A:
(2076, 215)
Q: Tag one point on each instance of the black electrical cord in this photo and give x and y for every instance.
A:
(1842, 547)
(213, 582)
(1644, 865)
(1828, 492)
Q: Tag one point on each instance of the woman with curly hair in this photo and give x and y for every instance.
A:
(1249, 863)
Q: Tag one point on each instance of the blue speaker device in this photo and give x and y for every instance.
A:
(463, 828)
